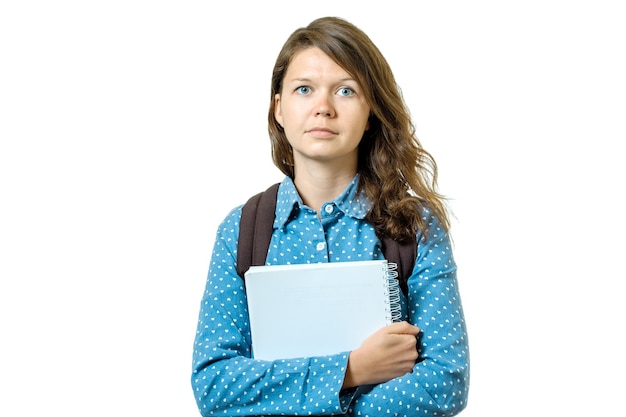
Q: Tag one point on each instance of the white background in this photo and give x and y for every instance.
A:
(129, 128)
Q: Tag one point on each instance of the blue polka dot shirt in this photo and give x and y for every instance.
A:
(226, 381)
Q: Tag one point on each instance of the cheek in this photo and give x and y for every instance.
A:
(365, 121)
(290, 118)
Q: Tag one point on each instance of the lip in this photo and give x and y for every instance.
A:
(321, 132)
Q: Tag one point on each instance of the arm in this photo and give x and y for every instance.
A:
(226, 381)
(438, 384)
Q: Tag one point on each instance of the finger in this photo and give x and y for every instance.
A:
(404, 327)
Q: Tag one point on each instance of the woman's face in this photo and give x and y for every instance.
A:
(322, 110)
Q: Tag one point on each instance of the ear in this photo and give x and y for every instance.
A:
(278, 114)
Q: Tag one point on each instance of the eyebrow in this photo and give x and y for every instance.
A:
(305, 79)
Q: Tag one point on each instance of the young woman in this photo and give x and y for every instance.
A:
(354, 172)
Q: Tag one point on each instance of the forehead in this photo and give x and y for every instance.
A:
(313, 63)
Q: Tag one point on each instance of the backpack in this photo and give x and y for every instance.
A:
(257, 224)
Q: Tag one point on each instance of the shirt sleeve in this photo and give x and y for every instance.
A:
(226, 381)
(439, 383)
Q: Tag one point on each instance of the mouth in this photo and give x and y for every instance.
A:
(321, 132)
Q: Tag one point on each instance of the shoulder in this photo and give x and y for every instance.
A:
(433, 229)
(434, 245)
(229, 226)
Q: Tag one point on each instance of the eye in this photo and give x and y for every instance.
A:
(303, 90)
(345, 91)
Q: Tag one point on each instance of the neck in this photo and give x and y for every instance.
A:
(317, 189)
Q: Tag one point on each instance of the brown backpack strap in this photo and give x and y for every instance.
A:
(403, 255)
(255, 229)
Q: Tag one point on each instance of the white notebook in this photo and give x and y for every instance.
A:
(310, 310)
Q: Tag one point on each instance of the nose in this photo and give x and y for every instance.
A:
(325, 107)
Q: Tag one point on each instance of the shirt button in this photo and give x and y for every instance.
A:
(321, 245)
(329, 208)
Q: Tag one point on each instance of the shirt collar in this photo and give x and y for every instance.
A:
(350, 202)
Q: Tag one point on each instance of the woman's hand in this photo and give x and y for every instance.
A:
(388, 353)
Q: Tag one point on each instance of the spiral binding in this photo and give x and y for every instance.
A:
(392, 293)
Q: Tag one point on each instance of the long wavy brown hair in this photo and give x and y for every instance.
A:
(396, 173)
